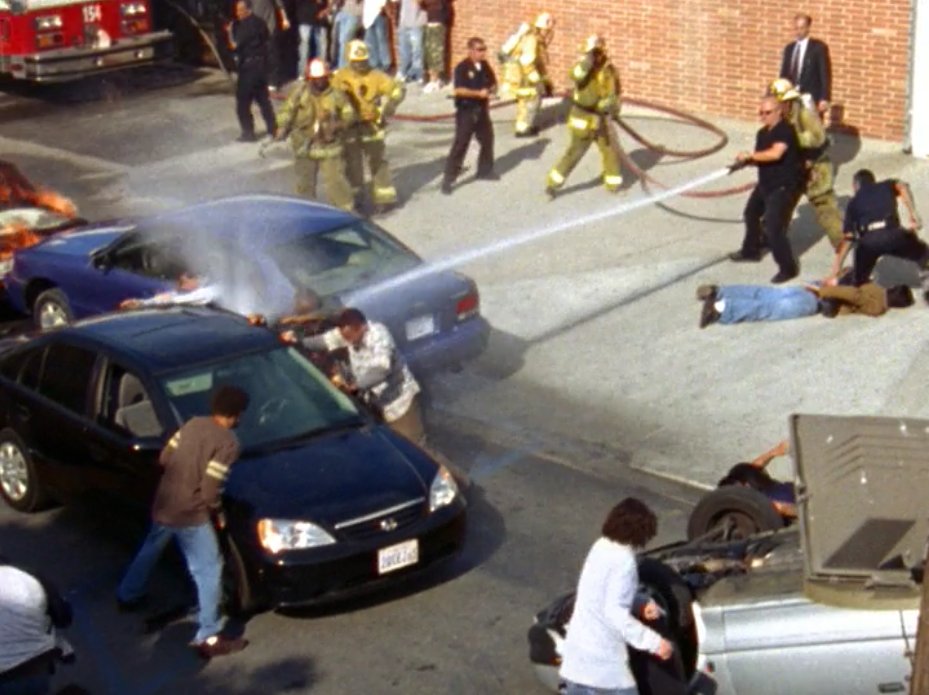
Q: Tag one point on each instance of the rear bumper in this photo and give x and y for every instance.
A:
(350, 570)
(463, 343)
(74, 63)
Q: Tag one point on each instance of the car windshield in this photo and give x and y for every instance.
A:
(36, 219)
(289, 399)
(342, 259)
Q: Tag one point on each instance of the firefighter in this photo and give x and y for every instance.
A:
(594, 104)
(315, 117)
(802, 115)
(525, 72)
(375, 96)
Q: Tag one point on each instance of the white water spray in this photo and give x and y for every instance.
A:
(468, 255)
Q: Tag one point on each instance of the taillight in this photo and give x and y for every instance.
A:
(468, 306)
(48, 22)
(134, 26)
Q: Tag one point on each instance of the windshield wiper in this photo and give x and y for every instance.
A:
(349, 424)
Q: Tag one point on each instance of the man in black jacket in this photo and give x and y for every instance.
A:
(805, 62)
(250, 39)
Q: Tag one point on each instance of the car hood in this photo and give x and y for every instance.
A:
(331, 478)
(79, 242)
(861, 489)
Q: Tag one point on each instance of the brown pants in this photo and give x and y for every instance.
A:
(410, 424)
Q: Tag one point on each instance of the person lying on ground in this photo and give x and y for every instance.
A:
(191, 290)
(727, 304)
(753, 475)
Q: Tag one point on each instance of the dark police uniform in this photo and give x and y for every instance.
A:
(773, 200)
(872, 217)
(472, 118)
(252, 44)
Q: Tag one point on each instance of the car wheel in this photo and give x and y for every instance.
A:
(19, 482)
(736, 511)
(239, 593)
(671, 593)
(52, 310)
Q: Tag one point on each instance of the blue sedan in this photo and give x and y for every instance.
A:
(257, 249)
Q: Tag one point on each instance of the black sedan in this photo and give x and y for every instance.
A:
(323, 500)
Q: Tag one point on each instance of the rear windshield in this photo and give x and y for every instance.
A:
(342, 259)
(288, 397)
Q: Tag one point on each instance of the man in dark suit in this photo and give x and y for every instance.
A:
(806, 64)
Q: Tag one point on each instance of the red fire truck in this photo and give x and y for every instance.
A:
(58, 40)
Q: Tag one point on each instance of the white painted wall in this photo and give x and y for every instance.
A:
(919, 114)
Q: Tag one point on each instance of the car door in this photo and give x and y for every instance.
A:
(802, 647)
(125, 437)
(54, 413)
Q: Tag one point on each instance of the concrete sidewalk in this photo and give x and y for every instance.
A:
(596, 336)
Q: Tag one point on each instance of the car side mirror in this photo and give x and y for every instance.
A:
(102, 262)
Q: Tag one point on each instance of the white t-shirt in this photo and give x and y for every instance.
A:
(25, 629)
(594, 651)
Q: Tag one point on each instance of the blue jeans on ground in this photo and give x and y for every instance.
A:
(410, 53)
(762, 303)
(344, 28)
(201, 551)
(314, 43)
(571, 688)
(378, 45)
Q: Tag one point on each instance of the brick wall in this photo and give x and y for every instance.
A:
(716, 56)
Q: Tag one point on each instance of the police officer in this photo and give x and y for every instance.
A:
(872, 219)
(249, 38)
(525, 72)
(315, 117)
(375, 97)
(595, 102)
(475, 82)
(801, 114)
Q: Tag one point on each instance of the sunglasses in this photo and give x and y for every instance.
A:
(766, 113)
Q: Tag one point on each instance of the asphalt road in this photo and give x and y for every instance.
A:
(460, 629)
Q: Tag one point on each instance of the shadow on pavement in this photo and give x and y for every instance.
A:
(805, 232)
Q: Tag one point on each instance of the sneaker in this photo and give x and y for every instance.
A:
(551, 192)
(447, 187)
(247, 137)
(708, 313)
(217, 645)
(783, 277)
(706, 291)
(431, 87)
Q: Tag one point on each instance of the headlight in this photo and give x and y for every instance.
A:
(443, 491)
(48, 22)
(132, 9)
(276, 535)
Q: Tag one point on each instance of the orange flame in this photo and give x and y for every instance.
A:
(16, 236)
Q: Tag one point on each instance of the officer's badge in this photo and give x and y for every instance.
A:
(470, 74)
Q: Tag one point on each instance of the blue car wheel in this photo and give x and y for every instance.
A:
(52, 310)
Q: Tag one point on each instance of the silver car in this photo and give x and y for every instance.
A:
(827, 606)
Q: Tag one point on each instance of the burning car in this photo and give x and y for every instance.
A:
(829, 605)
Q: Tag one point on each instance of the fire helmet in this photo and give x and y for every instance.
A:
(545, 22)
(316, 69)
(357, 51)
(783, 90)
(594, 41)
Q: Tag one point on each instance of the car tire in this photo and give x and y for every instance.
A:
(653, 676)
(749, 510)
(240, 597)
(51, 309)
(19, 481)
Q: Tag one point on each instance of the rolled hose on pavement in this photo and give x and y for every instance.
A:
(638, 137)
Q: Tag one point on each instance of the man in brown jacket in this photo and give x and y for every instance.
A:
(196, 463)
(743, 303)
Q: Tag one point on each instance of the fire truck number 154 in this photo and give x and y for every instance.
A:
(92, 13)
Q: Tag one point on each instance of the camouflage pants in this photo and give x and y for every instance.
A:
(375, 152)
(332, 172)
(819, 191)
(577, 148)
(434, 48)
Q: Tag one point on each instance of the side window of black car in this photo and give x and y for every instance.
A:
(67, 375)
(125, 406)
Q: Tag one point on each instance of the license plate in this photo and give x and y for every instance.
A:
(397, 556)
(420, 327)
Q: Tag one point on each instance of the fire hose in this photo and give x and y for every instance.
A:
(646, 179)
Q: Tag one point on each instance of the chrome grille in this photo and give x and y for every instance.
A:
(383, 521)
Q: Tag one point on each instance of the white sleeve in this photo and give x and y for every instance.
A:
(622, 586)
(198, 297)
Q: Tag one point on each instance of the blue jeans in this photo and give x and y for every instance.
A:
(344, 28)
(410, 53)
(378, 46)
(571, 688)
(762, 303)
(314, 43)
(201, 551)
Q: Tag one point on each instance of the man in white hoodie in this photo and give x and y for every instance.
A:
(594, 658)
